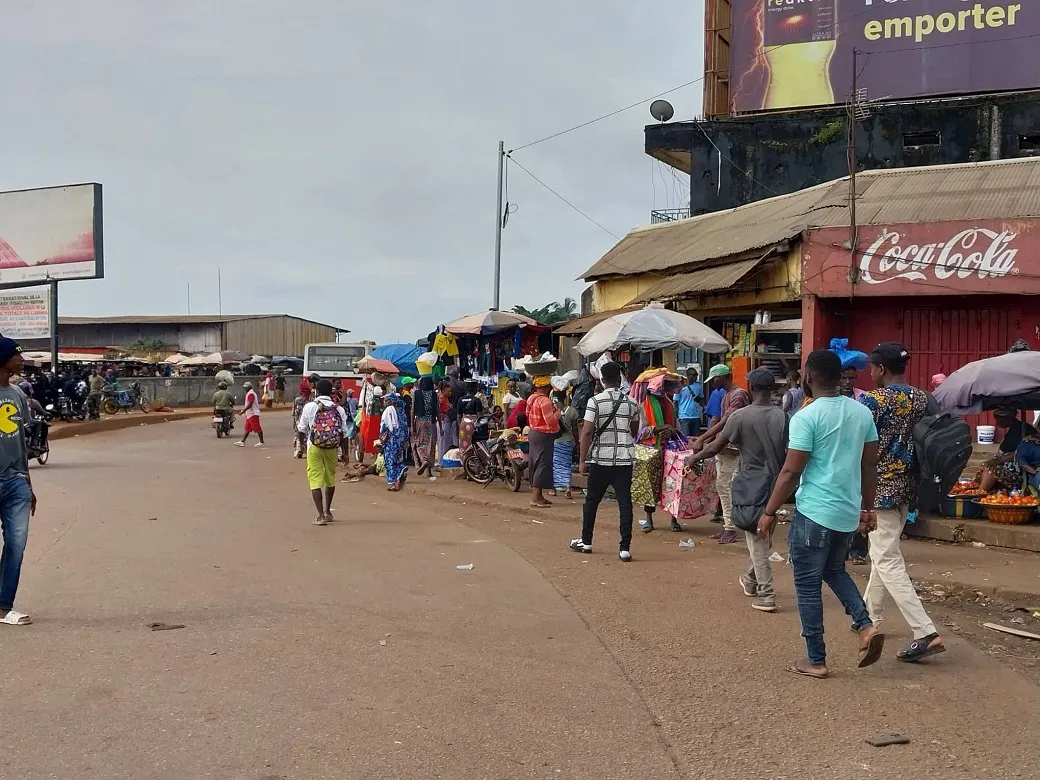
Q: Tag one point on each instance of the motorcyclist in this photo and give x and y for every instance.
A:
(223, 401)
(35, 427)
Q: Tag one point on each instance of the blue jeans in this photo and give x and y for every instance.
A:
(15, 502)
(690, 426)
(818, 555)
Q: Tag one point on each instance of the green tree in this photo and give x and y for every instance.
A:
(552, 313)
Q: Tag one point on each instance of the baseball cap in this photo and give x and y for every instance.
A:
(761, 379)
(720, 370)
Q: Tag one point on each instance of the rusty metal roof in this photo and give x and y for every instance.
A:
(715, 278)
(181, 319)
(1004, 189)
(582, 325)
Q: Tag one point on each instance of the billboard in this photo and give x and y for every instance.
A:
(794, 53)
(52, 233)
(25, 314)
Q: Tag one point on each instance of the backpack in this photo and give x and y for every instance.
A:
(942, 443)
(327, 428)
(584, 389)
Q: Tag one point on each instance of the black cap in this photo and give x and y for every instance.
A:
(890, 354)
(761, 379)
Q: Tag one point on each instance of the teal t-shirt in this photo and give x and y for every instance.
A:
(833, 432)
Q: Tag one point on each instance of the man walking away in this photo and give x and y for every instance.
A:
(324, 423)
(17, 500)
(279, 389)
(897, 408)
(759, 432)
(728, 459)
(606, 455)
(833, 451)
(689, 402)
(95, 383)
(251, 410)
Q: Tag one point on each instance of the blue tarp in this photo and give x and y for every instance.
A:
(401, 355)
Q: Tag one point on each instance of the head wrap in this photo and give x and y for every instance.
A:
(850, 358)
(541, 381)
(937, 380)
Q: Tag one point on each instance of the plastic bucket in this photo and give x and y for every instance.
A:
(985, 433)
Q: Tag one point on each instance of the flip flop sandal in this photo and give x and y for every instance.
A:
(13, 618)
(871, 651)
(920, 649)
(540, 506)
(793, 667)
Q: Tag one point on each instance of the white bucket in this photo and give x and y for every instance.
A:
(985, 433)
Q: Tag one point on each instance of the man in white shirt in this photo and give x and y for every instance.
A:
(324, 423)
(606, 449)
(251, 410)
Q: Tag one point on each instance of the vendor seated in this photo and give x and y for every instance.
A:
(1003, 471)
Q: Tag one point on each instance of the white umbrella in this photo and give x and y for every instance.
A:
(651, 328)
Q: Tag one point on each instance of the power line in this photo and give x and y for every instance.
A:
(750, 59)
(558, 195)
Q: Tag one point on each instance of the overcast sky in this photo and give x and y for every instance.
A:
(335, 158)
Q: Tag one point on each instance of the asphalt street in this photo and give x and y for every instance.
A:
(359, 650)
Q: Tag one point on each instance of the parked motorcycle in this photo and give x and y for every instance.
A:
(38, 438)
(223, 422)
(115, 400)
(70, 408)
(486, 460)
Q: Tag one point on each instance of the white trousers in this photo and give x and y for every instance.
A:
(888, 574)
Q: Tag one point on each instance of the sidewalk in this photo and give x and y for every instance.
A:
(944, 569)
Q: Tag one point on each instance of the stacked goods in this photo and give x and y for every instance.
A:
(960, 502)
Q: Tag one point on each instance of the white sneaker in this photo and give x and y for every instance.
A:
(578, 546)
(625, 556)
(239, 444)
(259, 444)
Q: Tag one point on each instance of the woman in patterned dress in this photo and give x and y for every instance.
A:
(393, 435)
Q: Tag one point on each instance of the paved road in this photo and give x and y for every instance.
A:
(359, 651)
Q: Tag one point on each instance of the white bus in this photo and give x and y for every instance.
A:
(336, 360)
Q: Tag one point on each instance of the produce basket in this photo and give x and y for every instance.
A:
(1008, 515)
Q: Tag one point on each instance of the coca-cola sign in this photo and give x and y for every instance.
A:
(972, 252)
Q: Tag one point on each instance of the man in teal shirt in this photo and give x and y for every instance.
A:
(832, 459)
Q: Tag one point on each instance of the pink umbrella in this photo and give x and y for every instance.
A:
(487, 322)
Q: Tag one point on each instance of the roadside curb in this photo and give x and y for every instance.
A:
(71, 430)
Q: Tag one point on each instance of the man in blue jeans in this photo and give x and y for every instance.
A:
(832, 460)
(17, 500)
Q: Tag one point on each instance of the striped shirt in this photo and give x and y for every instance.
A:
(542, 416)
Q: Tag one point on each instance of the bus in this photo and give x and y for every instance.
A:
(337, 361)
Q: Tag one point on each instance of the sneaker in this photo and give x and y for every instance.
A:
(764, 604)
(625, 556)
(750, 588)
(319, 520)
(259, 444)
(329, 518)
(579, 546)
(240, 444)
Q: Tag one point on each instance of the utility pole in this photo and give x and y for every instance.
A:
(853, 232)
(52, 315)
(498, 227)
(220, 302)
(189, 297)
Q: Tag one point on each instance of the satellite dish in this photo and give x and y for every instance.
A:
(661, 110)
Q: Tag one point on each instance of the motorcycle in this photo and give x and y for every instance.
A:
(37, 442)
(70, 408)
(114, 399)
(223, 422)
(485, 461)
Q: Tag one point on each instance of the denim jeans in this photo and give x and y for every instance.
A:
(15, 502)
(818, 555)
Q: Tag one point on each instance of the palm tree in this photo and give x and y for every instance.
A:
(551, 313)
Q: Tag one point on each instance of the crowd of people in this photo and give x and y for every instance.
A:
(845, 456)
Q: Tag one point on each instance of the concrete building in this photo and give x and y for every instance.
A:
(264, 334)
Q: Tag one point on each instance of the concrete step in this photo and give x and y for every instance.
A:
(949, 529)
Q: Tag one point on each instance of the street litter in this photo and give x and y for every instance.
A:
(382, 643)
(537, 521)
(465, 567)
(776, 558)
(884, 740)
(686, 544)
(1012, 631)
(173, 626)
(977, 544)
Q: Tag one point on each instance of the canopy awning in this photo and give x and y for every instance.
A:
(719, 277)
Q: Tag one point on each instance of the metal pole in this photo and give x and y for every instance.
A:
(220, 301)
(189, 297)
(498, 227)
(853, 231)
(53, 317)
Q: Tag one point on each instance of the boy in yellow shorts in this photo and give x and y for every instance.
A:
(324, 423)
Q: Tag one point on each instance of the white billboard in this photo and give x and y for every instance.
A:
(25, 314)
(52, 233)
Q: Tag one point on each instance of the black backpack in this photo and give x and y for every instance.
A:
(584, 389)
(942, 443)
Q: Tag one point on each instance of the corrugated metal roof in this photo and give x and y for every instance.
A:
(1005, 189)
(716, 278)
(582, 325)
(180, 319)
